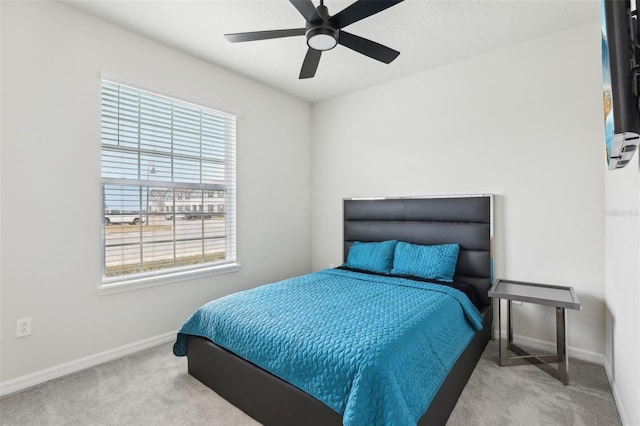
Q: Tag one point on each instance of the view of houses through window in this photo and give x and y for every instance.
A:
(187, 202)
(168, 175)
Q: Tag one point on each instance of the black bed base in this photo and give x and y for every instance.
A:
(274, 402)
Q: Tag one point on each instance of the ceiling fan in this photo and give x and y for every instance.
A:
(324, 32)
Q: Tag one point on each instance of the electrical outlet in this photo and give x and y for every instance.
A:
(23, 327)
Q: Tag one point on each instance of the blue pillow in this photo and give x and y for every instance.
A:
(436, 262)
(374, 257)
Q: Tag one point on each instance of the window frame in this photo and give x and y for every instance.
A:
(128, 282)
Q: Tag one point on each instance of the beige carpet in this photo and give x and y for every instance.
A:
(153, 388)
(527, 396)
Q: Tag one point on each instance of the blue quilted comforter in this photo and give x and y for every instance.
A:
(373, 348)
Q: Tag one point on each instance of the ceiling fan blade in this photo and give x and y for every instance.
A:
(367, 47)
(264, 35)
(306, 9)
(310, 64)
(360, 10)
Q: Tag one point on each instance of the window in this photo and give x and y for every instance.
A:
(158, 152)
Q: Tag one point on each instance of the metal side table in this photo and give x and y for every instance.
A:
(561, 297)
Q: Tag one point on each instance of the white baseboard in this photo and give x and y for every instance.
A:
(574, 352)
(546, 346)
(32, 379)
(616, 394)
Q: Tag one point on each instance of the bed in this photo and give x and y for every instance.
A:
(270, 387)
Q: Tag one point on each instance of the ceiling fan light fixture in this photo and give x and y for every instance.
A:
(322, 38)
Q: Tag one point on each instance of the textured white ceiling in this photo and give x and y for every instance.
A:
(428, 33)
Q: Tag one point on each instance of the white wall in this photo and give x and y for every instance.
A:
(51, 212)
(622, 226)
(524, 123)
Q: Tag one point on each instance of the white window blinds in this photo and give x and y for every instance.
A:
(168, 181)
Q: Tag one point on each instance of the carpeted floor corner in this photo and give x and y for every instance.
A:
(154, 388)
(527, 396)
(148, 388)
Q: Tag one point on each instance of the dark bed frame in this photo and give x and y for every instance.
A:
(466, 220)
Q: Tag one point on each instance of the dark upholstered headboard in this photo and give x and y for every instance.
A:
(466, 220)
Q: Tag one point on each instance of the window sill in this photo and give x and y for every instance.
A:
(120, 286)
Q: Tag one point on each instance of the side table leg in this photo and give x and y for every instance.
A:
(561, 345)
(509, 324)
(503, 339)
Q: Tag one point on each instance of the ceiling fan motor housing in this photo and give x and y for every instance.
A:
(322, 35)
